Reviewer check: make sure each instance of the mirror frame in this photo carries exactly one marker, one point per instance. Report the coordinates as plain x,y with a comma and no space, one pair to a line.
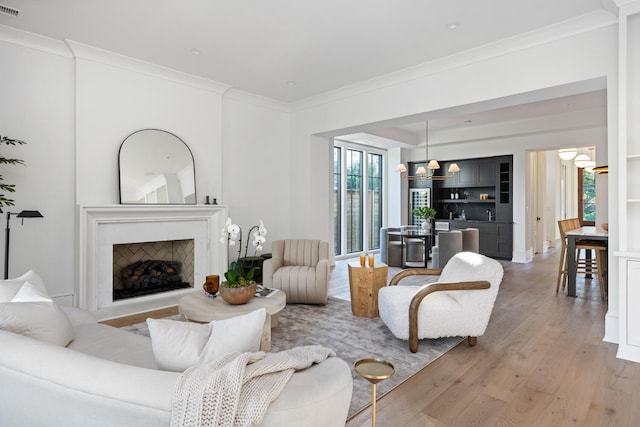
177,138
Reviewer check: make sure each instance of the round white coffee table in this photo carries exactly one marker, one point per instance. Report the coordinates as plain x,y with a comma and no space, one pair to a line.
199,307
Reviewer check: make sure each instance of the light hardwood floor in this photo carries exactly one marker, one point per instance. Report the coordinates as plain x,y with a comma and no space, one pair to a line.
542,362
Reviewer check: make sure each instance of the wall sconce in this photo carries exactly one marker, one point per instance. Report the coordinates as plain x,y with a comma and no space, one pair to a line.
23,215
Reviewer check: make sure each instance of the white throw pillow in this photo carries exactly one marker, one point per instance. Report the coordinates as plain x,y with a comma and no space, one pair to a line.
30,293
41,320
179,345
9,287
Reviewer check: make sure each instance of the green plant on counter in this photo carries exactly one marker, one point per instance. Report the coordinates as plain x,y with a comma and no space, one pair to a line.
425,213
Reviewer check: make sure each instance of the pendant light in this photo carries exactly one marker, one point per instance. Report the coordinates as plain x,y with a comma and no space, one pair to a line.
423,173
582,160
567,153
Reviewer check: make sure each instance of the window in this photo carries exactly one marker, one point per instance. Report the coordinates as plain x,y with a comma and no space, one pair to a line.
358,204
586,197
374,199
354,205
337,200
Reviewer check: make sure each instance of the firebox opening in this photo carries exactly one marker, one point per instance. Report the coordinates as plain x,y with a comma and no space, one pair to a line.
149,277
148,268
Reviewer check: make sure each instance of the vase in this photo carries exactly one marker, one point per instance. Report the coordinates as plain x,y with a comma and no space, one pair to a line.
236,296
426,226
211,286
247,263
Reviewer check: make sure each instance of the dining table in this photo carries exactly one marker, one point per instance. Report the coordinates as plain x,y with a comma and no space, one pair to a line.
586,233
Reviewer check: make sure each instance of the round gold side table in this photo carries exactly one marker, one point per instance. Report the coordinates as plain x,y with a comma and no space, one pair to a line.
374,370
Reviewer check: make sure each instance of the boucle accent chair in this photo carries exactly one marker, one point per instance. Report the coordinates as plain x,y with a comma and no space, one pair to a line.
299,268
458,304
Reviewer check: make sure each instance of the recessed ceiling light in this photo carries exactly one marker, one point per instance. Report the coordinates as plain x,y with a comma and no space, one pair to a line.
452,25
291,83
195,51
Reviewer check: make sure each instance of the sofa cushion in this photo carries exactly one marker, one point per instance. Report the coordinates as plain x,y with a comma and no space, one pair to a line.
42,320
9,287
114,344
179,345
30,293
31,312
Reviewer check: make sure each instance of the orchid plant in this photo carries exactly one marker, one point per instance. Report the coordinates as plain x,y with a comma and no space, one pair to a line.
232,234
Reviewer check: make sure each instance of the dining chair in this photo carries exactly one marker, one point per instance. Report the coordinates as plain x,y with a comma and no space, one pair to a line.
414,247
584,264
391,246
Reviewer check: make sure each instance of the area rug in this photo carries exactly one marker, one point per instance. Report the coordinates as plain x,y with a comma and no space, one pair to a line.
352,338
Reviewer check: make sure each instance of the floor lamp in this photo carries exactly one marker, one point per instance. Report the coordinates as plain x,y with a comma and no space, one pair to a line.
23,214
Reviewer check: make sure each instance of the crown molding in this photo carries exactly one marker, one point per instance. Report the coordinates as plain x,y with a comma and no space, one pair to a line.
94,54
628,7
575,26
257,100
34,41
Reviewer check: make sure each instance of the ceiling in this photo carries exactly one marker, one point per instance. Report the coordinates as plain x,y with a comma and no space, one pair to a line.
289,50
512,117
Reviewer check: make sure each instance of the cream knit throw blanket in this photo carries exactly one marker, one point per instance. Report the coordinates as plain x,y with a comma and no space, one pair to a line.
236,389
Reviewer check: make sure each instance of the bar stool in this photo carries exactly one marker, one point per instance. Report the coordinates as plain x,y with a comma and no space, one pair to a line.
584,265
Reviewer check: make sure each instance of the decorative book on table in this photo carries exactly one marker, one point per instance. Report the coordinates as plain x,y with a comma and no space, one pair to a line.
262,292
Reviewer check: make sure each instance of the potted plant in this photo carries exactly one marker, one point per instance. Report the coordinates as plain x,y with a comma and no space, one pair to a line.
239,286
427,215
9,188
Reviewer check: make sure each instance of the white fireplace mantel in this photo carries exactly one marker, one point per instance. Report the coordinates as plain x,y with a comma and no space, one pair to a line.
100,227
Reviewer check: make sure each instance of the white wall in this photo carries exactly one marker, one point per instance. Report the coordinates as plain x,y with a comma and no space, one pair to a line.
117,96
256,167
37,106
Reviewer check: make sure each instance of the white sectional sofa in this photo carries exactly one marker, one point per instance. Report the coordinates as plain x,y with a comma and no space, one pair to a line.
108,377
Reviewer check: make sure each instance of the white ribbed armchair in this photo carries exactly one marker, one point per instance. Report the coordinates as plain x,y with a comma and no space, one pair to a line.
299,268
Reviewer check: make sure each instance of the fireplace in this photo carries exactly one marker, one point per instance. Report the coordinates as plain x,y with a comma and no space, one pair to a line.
148,268
191,231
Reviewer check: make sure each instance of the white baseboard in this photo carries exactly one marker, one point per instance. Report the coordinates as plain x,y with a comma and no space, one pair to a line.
522,256
611,329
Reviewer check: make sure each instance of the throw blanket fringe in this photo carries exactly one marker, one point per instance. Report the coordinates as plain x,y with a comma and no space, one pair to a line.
236,389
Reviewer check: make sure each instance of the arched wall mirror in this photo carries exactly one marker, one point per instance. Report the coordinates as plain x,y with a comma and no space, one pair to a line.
156,167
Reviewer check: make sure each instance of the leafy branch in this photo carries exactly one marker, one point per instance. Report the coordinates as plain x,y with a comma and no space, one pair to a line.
8,188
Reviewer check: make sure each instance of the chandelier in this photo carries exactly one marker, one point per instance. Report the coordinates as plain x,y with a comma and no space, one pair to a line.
423,173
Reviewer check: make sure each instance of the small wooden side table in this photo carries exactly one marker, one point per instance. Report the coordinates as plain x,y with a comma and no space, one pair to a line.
364,284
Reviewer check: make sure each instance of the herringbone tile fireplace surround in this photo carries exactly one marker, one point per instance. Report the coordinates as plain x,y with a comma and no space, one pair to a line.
180,251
